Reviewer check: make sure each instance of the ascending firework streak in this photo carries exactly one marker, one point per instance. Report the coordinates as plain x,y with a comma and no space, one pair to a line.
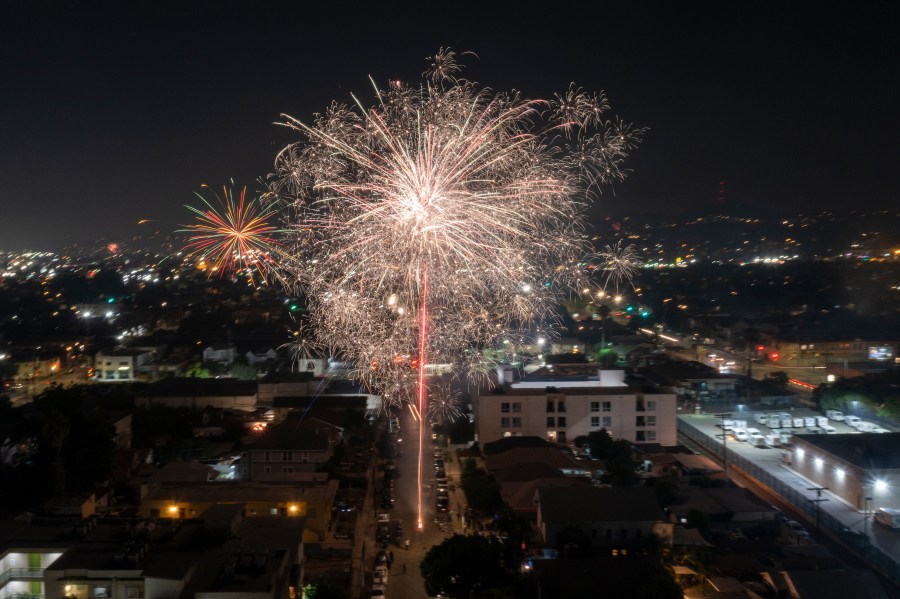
234,235
439,221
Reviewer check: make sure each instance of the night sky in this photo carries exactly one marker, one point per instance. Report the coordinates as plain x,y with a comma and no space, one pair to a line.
115,114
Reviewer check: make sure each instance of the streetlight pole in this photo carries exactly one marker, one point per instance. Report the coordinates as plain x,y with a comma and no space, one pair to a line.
722,418
817,501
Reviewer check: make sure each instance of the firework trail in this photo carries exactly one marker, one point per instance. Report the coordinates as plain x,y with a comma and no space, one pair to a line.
444,207
235,235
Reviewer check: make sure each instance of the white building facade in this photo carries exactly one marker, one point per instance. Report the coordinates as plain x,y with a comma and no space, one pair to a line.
560,411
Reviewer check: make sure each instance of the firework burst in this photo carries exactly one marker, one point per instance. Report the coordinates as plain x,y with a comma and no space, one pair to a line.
442,218
234,234
481,192
619,264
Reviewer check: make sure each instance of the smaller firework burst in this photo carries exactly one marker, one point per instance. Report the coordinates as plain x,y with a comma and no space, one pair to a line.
234,234
619,265
443,403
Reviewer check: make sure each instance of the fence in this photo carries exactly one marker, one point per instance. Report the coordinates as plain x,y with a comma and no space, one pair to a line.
871,554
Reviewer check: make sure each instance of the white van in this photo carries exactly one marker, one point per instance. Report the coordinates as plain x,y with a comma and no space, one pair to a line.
851,421
757,440
761,418
727,425
865,427
822,420
785,438
835,415
809,421
740,434
773,440
888,517
774,421
829,430
799,423
787,423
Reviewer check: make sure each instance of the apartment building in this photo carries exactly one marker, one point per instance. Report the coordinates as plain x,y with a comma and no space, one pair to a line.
562,409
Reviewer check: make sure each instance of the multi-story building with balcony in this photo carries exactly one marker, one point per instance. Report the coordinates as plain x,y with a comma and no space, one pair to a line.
26,551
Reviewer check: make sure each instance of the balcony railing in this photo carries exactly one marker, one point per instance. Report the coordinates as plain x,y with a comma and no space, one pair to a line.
19,574
24,596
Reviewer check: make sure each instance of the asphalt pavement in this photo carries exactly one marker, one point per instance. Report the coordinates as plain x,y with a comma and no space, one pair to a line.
405,578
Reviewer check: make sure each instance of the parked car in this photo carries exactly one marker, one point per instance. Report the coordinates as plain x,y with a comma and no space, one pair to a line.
761,418
835,415
809,421
741,435
851,420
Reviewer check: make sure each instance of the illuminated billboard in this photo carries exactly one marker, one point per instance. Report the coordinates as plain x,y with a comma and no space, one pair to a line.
881,353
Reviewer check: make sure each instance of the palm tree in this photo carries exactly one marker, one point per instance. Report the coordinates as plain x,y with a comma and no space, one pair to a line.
55,430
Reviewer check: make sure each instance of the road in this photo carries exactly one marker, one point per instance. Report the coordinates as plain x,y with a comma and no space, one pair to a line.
405,580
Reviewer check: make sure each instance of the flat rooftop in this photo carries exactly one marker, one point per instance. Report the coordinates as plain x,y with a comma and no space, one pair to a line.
869,451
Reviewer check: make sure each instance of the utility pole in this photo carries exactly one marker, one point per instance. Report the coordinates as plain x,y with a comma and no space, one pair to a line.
866,517
819,499
724,436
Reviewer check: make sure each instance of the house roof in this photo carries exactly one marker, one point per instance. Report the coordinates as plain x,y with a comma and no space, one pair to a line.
294,435
598,504
679,370
243,493
867,451
182,472
197,387
507,443
520,495
524,457
522,472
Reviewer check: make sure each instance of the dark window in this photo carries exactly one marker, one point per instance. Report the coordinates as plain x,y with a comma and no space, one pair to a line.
595,406
504,407
516,407
639,421
607,406
561,422
550,406
551,421
504,422
560,406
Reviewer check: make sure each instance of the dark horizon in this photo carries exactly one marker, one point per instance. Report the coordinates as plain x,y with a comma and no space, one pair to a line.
112,116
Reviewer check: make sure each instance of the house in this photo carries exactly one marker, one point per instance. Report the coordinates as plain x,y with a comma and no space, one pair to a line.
222,554
196,393
728,508
187,501
608,516
121,365
255,358
294,446
221,353
689,378
562,408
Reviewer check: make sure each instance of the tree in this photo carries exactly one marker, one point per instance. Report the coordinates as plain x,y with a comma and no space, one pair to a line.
464,567
196,370
54,431
778,378
243,371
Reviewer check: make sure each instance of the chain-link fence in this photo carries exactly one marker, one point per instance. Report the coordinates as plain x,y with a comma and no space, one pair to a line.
871,554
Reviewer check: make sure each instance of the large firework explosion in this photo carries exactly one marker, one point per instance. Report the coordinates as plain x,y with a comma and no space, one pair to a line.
233,234
443,218
479,193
